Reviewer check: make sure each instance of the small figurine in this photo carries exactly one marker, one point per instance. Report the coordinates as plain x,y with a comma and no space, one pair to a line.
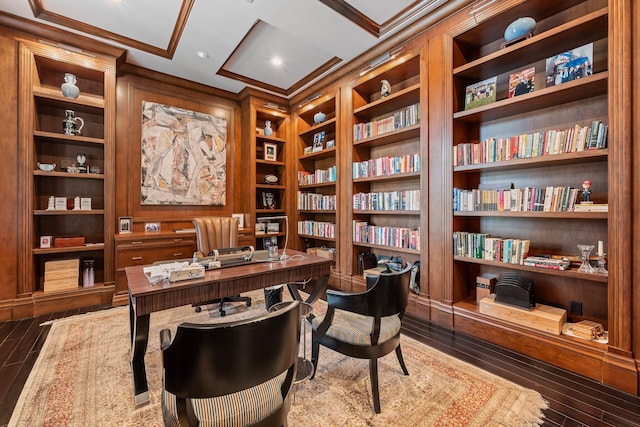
586,191
386,88
51,205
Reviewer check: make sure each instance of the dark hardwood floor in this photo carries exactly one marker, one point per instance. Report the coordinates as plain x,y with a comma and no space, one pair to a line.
573,400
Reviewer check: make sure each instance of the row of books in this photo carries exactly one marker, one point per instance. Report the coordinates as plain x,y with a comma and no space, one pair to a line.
387,165
397,237
408,116
318,176
317,228
408,200
546,262
316,202
543,199
551,142
483,246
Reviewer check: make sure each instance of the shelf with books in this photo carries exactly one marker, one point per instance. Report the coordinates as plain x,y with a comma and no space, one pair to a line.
317,168
386,159
539,139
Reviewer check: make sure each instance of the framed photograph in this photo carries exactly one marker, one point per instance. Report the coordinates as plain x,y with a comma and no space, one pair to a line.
318,142
268,200
261,228
152,226
240,219
268,242
330,143
521,82
480,93
273,227
45,241
125,224
570,65
270,151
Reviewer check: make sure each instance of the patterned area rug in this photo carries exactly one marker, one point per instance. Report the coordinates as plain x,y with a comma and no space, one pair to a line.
83,378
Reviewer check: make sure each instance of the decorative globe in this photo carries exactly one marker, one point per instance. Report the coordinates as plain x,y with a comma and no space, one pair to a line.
319,117
519,28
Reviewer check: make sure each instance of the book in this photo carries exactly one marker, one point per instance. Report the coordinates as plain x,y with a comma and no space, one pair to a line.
522,82
591,207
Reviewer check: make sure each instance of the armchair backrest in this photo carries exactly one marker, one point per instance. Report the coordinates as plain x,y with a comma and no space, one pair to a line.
209,360
215,232
389,294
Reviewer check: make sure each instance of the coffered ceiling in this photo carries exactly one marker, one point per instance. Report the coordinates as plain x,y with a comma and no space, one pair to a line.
231,44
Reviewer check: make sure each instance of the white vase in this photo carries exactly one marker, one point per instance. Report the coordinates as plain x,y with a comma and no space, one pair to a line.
267,128
69,88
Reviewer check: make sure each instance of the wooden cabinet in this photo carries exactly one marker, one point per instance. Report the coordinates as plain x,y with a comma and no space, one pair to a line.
43,109
533,119
146,248
317,173
266,181
384,183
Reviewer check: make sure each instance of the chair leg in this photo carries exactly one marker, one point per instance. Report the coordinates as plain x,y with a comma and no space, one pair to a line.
401,360
373,373
315,352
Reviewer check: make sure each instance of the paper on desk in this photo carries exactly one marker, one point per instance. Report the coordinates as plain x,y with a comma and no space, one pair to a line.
160,272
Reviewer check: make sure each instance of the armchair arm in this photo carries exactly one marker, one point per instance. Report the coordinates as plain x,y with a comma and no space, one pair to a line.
165,339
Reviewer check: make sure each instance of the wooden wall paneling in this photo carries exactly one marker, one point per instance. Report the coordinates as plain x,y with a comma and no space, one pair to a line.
619,369
8,176
635,136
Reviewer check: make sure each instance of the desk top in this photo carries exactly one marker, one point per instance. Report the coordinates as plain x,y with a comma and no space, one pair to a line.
220,282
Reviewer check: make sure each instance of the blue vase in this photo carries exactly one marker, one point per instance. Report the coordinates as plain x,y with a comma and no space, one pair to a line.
519,28
319,117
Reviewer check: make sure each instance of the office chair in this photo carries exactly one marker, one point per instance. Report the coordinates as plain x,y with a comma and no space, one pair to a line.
217,232
231,374
365,325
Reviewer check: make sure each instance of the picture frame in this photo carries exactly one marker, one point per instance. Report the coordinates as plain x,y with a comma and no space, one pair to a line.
125,224
318,142
261,228
151,227
273,227
240,218
522,82
270,151
268,200
570,65
45,241
330,143
481,93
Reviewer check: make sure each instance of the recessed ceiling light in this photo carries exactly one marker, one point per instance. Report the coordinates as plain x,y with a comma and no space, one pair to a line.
276,61
202,54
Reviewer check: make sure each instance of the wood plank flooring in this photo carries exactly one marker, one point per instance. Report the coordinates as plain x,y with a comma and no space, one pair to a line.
573,400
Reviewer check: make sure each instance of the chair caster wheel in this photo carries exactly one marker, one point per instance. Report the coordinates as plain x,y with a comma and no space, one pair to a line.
223,313
248,303
198,309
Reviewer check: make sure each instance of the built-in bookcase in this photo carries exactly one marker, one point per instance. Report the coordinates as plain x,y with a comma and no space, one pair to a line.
532,118
43,109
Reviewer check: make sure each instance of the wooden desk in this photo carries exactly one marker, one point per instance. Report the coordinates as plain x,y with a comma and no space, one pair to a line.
145,298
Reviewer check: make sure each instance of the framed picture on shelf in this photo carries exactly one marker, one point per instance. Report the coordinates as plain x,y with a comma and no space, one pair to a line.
268,200
318,142
330,143
261,228
125,224
480,93
270,151
273,227
151,226
268,242
240,219
570,65
521,82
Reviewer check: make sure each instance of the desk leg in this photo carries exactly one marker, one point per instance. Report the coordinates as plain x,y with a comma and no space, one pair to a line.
139,337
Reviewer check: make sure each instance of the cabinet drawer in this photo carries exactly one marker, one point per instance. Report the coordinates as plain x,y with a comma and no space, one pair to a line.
154,243
148,255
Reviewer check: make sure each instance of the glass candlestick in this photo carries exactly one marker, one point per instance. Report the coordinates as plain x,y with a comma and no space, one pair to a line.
585,253
601,264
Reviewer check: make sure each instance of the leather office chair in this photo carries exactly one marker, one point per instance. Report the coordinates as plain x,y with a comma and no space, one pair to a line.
365,325
235,373
217,232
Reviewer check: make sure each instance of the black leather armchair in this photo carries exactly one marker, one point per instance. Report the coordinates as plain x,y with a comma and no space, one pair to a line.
237,373
365,325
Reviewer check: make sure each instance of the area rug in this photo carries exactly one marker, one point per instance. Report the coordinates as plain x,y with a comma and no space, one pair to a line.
82,378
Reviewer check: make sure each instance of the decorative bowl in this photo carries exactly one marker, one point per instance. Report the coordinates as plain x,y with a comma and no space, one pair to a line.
271,179
47,167
319,117
519,28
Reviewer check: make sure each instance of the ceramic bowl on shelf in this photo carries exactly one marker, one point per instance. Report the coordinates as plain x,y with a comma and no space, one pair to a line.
319,117
47,167
518,28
